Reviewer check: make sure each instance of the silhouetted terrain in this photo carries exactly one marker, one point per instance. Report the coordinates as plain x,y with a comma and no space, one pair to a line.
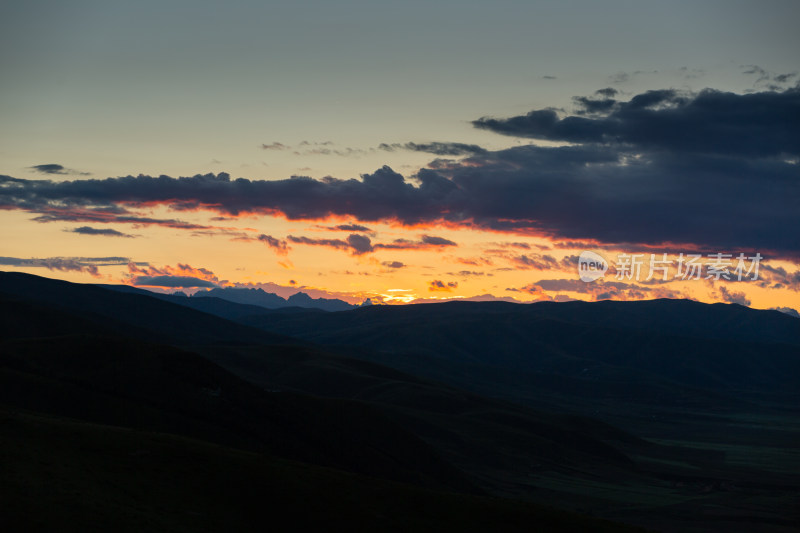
122,407
659,353
261,298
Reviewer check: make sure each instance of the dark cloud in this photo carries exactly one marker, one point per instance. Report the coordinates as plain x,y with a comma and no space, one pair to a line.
663,168
280,247
59,212
177,282
360,244
53,168
274,146
350,227
608,92
87,230
438,285
66,264
331,243
536,262
393,264
765,78
426,242
437,148
778,278
50,169
355,243
710,122
589,106
783,78
437,241
733,297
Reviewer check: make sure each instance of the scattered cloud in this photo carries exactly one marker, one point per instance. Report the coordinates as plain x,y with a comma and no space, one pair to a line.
767,79
438,285
107,232
180,276
87,265
274,146
437,148
599,290
468,273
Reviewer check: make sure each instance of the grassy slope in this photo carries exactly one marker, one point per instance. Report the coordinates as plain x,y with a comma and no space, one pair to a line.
507,449
64,475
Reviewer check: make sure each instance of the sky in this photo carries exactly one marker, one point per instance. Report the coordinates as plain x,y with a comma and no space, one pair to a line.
405,152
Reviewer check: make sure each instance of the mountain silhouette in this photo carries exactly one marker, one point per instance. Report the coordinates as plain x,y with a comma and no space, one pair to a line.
126,406
259,297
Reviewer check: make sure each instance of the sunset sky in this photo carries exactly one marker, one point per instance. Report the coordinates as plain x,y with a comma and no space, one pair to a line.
402,151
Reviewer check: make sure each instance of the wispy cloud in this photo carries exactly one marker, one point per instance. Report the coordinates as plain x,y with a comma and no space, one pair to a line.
88,265
361,244
53,168
437,148
106,232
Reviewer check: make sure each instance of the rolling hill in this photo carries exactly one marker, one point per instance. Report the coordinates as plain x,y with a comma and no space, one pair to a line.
438,404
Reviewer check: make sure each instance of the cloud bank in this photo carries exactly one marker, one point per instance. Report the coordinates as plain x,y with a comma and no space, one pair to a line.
716,169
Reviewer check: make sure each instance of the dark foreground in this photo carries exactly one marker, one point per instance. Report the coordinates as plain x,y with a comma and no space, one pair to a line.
129,412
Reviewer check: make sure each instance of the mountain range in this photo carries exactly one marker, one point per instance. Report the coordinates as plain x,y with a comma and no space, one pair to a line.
270,300
121,406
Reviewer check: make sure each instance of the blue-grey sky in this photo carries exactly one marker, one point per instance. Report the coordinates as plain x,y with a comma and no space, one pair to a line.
180,87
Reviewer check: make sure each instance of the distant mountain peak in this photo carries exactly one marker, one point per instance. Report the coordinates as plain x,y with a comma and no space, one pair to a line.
258,296
299,298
